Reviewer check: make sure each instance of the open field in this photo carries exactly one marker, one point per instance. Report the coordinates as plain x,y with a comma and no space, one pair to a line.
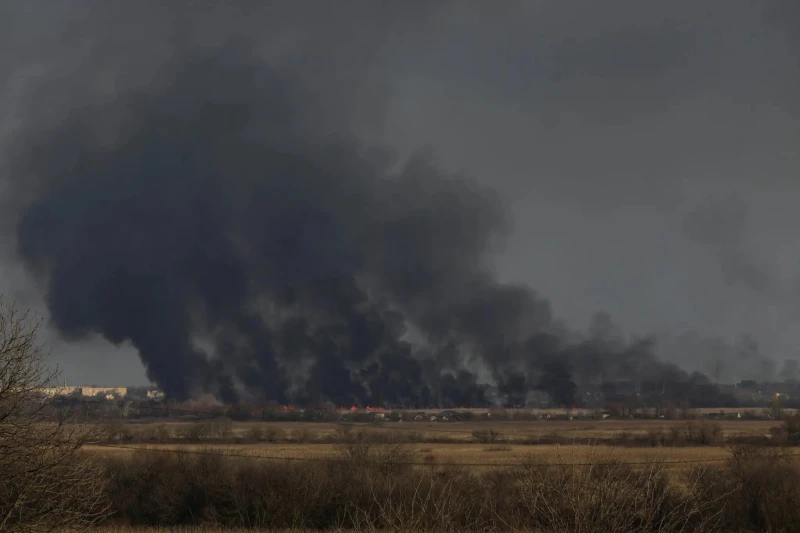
365,477
424,476
640,432
388,487
556,411
213,529
198,529
475,455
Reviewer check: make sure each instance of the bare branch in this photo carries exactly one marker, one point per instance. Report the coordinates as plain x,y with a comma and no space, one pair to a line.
45,482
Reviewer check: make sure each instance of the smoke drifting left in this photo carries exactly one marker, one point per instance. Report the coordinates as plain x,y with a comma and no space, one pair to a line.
214,221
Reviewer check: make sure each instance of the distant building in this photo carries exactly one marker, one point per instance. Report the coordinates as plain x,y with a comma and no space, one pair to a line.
51,392
117,392
110,393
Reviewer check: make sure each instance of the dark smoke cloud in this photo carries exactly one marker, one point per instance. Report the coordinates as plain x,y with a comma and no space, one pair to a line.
603,123
215,222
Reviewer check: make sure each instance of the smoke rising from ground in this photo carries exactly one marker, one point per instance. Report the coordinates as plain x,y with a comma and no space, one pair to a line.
215,223
603,126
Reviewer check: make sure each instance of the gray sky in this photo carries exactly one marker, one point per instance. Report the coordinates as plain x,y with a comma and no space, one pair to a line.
647,149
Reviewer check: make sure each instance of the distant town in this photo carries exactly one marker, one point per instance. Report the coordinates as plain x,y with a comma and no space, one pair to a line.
104,393
614,397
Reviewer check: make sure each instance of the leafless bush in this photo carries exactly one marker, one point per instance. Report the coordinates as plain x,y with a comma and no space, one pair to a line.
390,458
702,433
344,432
45,481
161,433
371,487
116,430
194,432
789,432
302,435
273,434
657,437
112,430
603,494
256,433
221,429
675,435
488,436
764,488
265,434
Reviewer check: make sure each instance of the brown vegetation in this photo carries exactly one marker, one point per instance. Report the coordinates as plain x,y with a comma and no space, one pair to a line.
45,482
386,487
373,481
630,433
685,476
458,454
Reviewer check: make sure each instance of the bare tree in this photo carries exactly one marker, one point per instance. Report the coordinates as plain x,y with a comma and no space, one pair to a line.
46,480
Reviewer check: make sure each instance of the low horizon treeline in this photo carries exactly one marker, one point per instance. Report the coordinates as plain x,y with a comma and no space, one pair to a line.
375,487
109,409
619,397
691,433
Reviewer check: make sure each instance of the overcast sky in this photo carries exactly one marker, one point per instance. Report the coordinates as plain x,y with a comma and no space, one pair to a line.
648,149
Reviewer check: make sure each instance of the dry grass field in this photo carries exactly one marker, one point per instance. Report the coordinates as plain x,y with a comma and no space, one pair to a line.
510,431
213,529
216,529
196,529
202,490
475,455
428,443
439,477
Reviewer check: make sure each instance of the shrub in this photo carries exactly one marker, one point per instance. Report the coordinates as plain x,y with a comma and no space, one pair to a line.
372,486
488,436
702,433
255,433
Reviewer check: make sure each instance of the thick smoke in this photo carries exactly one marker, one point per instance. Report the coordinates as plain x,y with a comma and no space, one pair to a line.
215,222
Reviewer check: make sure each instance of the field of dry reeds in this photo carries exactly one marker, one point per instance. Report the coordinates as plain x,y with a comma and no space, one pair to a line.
369,486
313,477
633,433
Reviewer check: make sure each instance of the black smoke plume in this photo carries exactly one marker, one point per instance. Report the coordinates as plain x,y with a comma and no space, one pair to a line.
215,221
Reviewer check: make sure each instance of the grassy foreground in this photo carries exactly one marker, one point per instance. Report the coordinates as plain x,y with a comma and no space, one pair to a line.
376,487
